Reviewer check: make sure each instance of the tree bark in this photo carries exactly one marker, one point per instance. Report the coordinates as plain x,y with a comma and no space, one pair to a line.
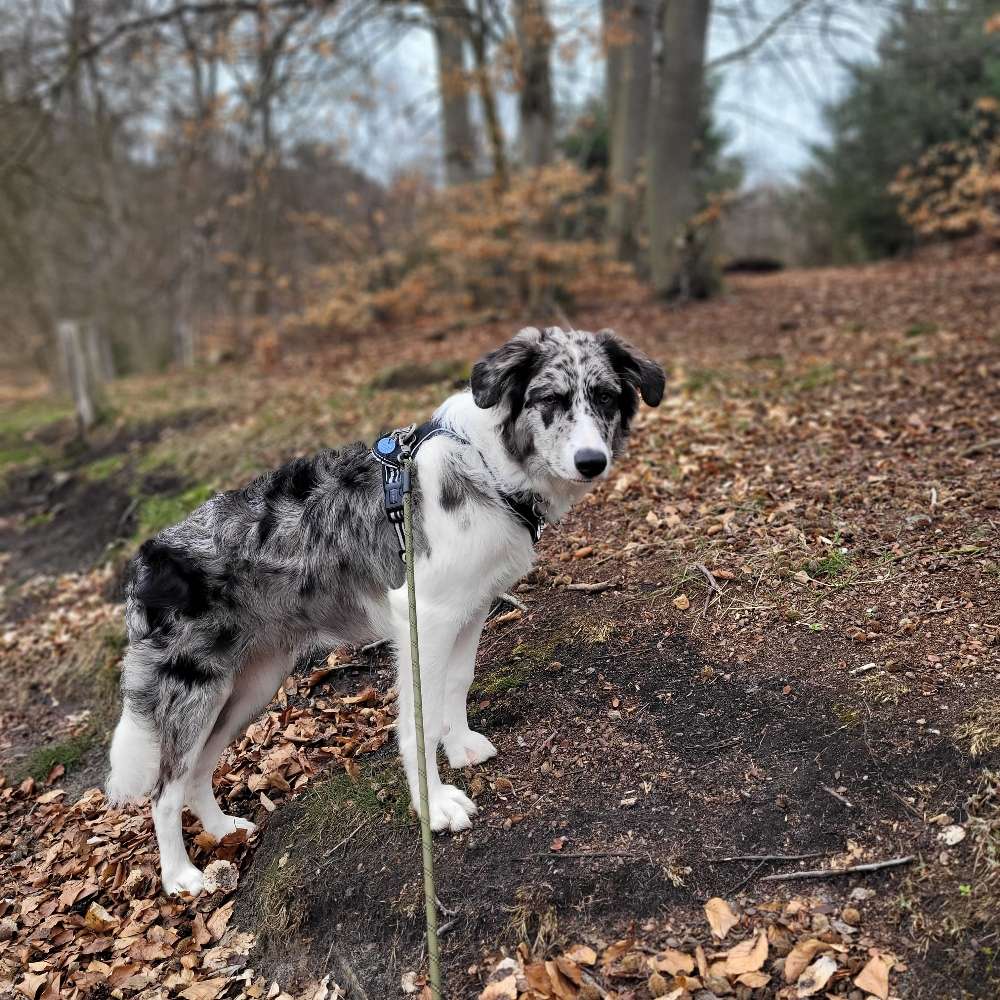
537,109
611,21
672,131
627,129
458,133
487,96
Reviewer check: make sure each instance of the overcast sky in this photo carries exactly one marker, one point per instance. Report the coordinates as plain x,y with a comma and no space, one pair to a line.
771,102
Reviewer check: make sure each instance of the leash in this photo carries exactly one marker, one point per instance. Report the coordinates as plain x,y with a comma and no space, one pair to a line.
430,894
395,452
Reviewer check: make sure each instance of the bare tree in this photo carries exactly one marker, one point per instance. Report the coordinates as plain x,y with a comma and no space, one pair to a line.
628,123
450,26
673,128
537,108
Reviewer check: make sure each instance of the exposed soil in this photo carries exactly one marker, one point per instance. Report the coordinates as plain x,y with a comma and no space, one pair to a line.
799,619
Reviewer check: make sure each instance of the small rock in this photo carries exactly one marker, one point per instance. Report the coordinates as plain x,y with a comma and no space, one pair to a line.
851,915
860,894
952,835
409,983
221,876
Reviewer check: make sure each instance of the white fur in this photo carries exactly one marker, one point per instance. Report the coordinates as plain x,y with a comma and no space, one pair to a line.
135,760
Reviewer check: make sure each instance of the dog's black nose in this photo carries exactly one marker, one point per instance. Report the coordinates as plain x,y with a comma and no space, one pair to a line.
590,462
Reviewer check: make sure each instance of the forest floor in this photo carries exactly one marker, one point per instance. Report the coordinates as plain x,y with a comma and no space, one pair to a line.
794,651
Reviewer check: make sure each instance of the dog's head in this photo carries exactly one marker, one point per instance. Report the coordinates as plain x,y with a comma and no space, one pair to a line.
566,399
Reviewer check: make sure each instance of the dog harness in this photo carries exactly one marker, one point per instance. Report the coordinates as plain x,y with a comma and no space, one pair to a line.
404,442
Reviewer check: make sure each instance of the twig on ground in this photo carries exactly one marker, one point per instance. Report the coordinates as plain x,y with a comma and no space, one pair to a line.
592,588
508,616
980,446
444,910
347,972
514,602
446,926
743,882
768,857
835,872
840,798
333,850
707,573
710,746
372,646
863,669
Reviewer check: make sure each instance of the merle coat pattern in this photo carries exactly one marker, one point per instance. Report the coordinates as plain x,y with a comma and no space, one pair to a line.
219,606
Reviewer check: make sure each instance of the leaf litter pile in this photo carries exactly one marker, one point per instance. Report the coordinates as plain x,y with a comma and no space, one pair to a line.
772,634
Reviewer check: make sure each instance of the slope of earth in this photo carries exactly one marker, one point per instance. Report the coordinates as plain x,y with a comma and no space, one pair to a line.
775,631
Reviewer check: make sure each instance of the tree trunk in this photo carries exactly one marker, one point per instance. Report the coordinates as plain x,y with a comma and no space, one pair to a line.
611,21
537,110
627,129
459,136
487,96
672,131
81,356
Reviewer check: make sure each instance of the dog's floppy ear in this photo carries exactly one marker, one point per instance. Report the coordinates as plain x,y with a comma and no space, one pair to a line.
505,368
633,367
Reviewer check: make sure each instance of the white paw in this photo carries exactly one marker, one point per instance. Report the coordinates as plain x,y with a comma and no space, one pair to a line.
451,809
228,824
465,749
187,879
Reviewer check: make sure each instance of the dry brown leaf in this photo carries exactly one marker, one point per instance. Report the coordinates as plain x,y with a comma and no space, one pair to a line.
674,962
505,989
30,985
800,956
747,956
755,980
682,602
219,920
98,919
874,977
720,917
582,955
816,976
208,989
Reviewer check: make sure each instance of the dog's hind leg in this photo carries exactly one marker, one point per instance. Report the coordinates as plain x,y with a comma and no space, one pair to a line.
463,746
188,709
254,687
450,807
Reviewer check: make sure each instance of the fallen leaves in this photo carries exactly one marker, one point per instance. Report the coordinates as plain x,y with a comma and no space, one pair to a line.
793,951
720,917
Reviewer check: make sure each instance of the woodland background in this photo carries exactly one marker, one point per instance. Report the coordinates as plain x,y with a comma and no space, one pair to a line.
235,231
188,181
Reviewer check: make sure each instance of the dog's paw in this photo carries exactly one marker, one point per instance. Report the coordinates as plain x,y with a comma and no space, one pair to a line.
465,749
228,824
187,879
451,809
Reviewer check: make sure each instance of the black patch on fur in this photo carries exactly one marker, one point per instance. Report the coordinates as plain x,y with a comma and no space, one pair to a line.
639,375
187,671
293,481
169,581
224,639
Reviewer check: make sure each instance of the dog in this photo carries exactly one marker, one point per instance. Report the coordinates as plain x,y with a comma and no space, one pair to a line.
219,606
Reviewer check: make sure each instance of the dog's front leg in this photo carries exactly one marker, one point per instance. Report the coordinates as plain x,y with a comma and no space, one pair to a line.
462,745
450,807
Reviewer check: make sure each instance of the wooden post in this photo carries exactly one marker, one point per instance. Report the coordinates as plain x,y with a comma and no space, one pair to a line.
81,362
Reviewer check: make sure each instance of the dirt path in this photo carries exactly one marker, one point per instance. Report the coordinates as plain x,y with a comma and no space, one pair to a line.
796,653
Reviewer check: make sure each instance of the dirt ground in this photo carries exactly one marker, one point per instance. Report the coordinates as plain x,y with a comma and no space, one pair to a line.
793,650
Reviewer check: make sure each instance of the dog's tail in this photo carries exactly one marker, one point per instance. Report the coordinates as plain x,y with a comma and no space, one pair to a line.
135,759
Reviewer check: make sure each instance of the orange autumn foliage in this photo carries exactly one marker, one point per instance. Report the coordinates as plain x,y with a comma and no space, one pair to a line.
954,188
465,249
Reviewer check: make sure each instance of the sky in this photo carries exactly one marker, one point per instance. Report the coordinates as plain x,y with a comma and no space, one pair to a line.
770,102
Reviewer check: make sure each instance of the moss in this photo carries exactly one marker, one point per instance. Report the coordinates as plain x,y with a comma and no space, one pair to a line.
103,468
70,753
814,378
39,520
980,731
27,417
701,378
921,329
832,565
157,513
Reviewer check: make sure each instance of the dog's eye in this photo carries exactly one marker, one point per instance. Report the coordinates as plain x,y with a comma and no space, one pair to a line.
605,398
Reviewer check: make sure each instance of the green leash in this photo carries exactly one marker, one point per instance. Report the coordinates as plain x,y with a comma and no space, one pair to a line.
430,896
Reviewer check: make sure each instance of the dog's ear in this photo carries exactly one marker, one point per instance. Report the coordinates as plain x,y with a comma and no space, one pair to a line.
633,367
506,368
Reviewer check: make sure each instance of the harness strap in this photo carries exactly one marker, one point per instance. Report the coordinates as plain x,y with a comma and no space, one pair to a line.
391,450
